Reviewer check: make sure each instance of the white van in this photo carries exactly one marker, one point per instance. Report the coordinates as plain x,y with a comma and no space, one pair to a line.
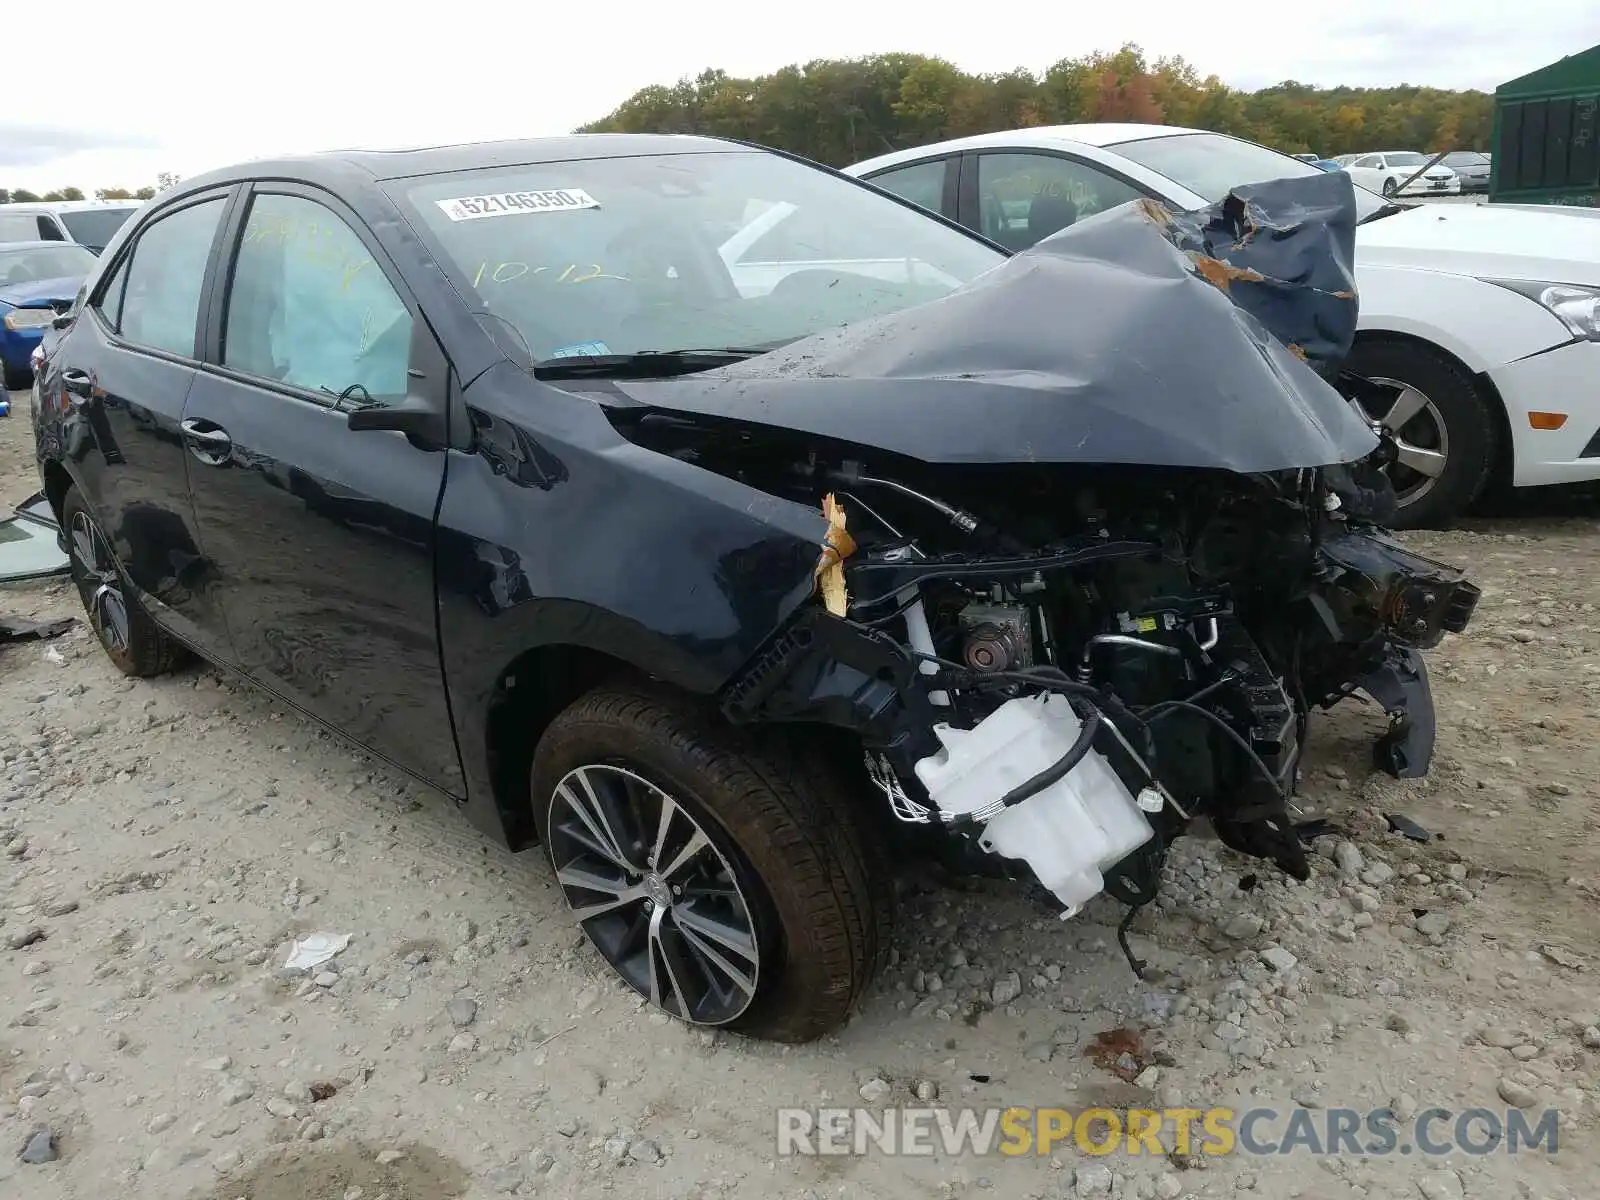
90,223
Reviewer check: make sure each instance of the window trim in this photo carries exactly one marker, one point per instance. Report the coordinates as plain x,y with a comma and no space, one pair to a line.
968,206
948,188
215,315
229,196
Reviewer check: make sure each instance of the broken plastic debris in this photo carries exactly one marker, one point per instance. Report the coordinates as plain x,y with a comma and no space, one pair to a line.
28,548
314,950
15,629
838,545
1405,826
51,654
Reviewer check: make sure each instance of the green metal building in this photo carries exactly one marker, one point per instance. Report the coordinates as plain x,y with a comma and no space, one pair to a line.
1545,148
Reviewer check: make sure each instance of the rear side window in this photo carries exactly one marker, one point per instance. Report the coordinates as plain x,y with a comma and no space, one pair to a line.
161,299
18,227
921,183
310,307
49,231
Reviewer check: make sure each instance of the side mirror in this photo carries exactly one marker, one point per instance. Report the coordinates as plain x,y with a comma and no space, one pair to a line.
419,420
62,321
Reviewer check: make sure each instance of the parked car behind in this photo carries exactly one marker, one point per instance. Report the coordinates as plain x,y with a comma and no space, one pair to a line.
1391,174
1481,326
712,518
89,223
38,280
1471,167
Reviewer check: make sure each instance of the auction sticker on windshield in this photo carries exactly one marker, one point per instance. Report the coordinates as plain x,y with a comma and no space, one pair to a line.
505,204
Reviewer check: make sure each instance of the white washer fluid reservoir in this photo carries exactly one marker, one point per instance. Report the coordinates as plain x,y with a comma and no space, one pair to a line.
1070,832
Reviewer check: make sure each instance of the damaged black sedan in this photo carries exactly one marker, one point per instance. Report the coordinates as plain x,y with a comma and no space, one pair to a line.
719,523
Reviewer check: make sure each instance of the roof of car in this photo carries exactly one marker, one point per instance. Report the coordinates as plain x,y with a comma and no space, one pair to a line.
1043,136
403,162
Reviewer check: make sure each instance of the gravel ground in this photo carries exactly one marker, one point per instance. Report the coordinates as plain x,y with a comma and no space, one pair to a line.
164,842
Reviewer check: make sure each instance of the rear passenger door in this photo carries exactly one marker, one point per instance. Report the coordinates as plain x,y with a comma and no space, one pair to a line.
323,535
127,364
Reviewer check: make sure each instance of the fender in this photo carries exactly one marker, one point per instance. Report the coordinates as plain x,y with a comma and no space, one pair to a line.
578,538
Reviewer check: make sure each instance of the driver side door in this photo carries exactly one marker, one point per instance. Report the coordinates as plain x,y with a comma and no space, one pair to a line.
323,536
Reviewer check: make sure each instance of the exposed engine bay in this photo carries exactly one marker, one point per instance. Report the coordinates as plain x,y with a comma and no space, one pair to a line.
1083,585
1067,669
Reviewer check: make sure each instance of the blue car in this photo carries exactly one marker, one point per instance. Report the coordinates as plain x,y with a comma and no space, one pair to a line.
37,281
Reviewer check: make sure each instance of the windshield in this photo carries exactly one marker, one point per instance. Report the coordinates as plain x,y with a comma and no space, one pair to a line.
1212,164
1404,158
93,227
44,262
1465,158
675,251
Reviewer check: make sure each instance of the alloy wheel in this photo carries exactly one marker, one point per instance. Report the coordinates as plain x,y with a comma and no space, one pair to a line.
654,893
99,582
1422,441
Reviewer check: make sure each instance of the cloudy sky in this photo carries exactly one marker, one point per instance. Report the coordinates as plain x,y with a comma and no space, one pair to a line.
183,85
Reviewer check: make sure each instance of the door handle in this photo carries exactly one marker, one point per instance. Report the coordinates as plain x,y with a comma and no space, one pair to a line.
211,446
77,382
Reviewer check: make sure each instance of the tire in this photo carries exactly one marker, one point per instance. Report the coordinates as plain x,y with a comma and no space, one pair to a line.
15,380
1390,187
1471,438
136,645
799,853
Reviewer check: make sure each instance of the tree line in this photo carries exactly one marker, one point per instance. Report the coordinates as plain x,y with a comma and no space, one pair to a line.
24,196
839,111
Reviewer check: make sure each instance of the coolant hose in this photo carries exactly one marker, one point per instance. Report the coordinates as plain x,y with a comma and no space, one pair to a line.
1059,769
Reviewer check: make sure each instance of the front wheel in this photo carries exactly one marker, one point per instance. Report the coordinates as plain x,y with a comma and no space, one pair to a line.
134,643
723,877
1390,187
1443,429
16,379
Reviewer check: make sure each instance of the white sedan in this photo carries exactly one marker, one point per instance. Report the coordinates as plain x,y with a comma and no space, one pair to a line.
1480,323
1391,172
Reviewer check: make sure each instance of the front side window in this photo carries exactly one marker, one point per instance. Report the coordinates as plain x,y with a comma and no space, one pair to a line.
1024,198
39,263
921,183
1213,164
309,306
161,297
734,248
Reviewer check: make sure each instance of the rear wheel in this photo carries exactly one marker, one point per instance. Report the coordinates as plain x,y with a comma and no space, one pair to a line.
722,876
131,640
1443,429
16,380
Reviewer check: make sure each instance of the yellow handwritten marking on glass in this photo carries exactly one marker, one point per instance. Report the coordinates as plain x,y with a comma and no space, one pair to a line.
311,242
507,272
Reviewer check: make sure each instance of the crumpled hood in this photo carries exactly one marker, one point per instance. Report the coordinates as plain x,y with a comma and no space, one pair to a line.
1135,336
40,291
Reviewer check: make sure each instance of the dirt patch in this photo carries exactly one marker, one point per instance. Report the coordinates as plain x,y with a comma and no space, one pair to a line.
330,1170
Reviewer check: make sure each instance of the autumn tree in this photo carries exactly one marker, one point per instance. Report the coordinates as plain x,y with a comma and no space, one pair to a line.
840,111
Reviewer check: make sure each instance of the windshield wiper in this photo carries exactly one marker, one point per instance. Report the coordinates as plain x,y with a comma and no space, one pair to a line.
1388,209
645,364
